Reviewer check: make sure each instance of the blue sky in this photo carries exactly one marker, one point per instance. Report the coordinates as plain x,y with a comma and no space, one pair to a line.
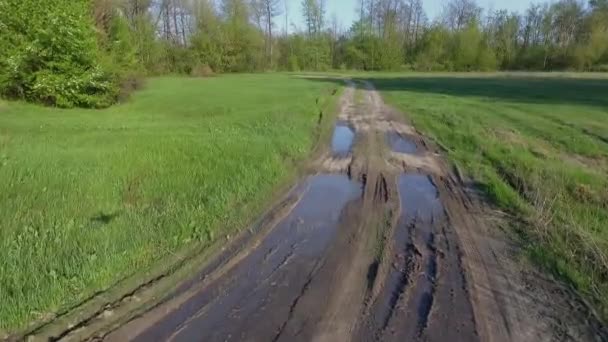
347,10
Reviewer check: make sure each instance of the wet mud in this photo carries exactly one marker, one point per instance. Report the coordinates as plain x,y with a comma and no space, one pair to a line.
411,291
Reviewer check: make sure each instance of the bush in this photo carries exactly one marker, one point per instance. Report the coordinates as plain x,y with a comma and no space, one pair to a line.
120,56
202,70
293,63
49,54
128,83
486,60
600,68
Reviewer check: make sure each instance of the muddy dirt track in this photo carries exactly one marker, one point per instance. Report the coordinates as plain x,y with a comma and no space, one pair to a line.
381,242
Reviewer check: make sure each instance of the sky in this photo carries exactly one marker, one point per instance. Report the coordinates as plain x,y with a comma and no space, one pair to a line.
347,10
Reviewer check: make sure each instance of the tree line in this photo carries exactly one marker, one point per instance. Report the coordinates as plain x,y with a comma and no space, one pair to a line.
90,53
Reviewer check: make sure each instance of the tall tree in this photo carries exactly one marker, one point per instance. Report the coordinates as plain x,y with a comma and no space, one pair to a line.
314,15
267,10
503,30
242,42
459,13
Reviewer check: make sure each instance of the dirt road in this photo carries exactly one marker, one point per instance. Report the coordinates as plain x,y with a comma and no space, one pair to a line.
382,242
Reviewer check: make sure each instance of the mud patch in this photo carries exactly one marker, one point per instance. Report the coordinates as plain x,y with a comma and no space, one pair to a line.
330,164
404,304
424,163
421,210
342,140
399,143
252,300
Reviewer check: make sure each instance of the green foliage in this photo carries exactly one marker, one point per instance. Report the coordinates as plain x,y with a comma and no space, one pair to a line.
121,57
207,40
243,45
391,54
304,53
503,37
486,60
434,50
466,47
594,48
49,54
148,50
90,53
359,50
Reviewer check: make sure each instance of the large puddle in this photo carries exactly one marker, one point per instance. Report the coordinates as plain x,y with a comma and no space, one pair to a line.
255,296
342,140
400,144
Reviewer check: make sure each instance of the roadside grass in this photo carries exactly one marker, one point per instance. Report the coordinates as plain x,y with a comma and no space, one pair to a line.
88,197
538,146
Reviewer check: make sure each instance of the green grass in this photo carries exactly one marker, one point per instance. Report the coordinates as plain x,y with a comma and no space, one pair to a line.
538,146
90,197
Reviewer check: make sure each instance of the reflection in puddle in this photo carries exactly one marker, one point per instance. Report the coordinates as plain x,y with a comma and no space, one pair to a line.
400,144
342,140
419,198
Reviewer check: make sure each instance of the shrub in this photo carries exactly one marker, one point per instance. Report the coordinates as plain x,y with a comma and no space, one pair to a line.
120,55
202,70
49,54
600,68
293,63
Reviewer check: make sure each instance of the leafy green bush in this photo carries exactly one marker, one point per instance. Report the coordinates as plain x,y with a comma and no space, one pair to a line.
600,68
49,54
120,55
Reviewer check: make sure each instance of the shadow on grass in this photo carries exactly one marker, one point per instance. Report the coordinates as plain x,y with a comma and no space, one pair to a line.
525,89
103,218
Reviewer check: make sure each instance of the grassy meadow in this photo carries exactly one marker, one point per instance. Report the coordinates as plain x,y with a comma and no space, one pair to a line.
538,145
89,197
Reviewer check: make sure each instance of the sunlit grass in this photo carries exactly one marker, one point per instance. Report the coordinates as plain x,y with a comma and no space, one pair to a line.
89,197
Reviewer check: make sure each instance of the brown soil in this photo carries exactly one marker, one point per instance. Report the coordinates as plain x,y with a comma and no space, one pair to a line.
382,242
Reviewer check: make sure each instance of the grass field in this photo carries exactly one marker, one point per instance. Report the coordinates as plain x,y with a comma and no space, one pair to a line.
90,197
538,146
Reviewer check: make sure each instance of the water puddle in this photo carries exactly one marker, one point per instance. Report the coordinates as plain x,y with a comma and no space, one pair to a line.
255,296
342,140
419,198
400,144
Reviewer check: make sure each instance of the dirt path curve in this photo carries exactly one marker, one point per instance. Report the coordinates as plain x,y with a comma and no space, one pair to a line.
382,242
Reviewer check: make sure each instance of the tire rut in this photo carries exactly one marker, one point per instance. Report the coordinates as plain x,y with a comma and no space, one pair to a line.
295,302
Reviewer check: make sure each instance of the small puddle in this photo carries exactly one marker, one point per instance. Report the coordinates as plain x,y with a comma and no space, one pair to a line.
400,144
419,198
342,140
252,296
